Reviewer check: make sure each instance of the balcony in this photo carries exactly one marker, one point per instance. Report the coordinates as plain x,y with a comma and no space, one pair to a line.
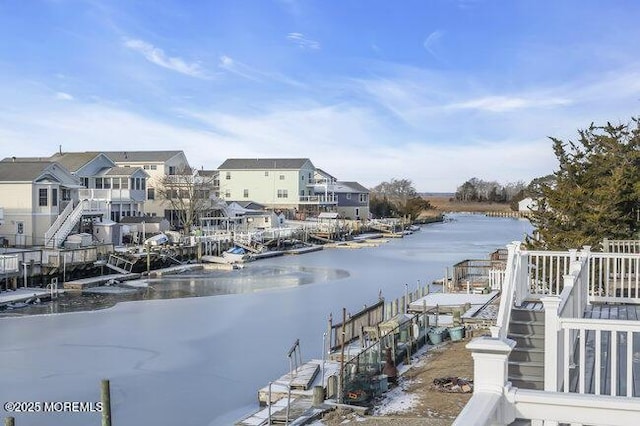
113,195
318,199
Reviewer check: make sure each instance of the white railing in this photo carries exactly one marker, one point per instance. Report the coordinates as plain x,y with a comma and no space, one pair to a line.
48,236
319,199
588,363
614,277
620,246
9,264
546,269
112,194
65,228
509,290
496,278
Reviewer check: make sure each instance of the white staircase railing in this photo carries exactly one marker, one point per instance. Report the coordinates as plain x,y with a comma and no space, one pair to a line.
72,219
64,214
509,288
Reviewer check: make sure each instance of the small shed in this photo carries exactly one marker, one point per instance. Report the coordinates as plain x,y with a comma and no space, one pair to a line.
108,231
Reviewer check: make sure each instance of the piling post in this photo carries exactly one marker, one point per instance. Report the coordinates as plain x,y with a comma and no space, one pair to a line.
341,390
148,258
105,394
9,421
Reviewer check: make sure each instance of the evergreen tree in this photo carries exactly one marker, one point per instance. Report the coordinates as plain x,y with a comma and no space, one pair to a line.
595,192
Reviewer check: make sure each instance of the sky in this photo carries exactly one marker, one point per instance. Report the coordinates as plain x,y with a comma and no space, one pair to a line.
435,91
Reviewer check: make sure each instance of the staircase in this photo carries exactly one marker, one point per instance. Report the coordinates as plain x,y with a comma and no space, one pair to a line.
66,221
526,361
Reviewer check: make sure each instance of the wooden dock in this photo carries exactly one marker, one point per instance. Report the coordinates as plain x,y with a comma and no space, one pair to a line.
301,381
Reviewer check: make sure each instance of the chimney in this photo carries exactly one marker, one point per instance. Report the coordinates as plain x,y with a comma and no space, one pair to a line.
60,148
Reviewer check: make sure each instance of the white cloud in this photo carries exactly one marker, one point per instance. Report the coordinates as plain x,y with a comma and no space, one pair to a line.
303,42
229,64
157,56
64,96
506,103
431,42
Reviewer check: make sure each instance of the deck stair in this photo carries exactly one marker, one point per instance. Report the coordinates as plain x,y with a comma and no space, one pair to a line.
526,362
67,221
119,264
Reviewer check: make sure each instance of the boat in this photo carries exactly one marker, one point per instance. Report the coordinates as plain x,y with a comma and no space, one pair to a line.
235,254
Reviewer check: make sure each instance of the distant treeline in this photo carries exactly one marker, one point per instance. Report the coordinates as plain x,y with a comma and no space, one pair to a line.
489,191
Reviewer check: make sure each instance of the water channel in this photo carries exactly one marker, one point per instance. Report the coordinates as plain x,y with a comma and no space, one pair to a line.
194,349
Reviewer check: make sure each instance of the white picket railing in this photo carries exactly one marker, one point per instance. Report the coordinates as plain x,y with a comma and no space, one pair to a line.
614,277
496,278
64,214
9,264
66,226
588,362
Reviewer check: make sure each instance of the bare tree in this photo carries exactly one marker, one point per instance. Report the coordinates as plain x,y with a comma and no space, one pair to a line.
189,195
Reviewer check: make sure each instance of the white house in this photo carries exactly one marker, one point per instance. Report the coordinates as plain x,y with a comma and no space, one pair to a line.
122,189
34,194
527,205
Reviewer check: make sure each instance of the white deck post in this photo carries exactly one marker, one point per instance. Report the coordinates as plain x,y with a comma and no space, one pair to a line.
551,355
490,365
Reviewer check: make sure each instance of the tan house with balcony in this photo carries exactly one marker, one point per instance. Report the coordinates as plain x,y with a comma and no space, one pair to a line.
278,183
33,193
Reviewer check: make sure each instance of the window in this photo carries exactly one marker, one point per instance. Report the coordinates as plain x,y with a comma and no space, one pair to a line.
20,229
348,196
115,183
98,183
66,194
228,176
281,177
107,183
146,166
301,177
245,193
143,184
363,198
310,176
153,167
172,170
283,193
85,182
124,183
151,193
54,197
227,194
266,173
43,193
357,213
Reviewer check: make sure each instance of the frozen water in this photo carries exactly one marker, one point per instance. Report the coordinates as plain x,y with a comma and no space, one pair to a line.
201,360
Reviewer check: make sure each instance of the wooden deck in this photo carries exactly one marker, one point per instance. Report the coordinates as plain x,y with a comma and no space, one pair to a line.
613,312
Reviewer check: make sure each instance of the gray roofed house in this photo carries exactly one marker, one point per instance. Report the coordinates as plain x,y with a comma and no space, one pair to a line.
264,163
31,171
141,156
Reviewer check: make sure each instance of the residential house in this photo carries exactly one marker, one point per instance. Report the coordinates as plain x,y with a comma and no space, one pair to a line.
33,193
123,189
353,200
527,205
286,184
158,165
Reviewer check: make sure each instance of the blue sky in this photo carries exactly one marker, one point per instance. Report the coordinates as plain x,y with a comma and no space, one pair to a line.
433,91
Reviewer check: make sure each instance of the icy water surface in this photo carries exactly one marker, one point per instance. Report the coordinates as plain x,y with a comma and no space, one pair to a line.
200,360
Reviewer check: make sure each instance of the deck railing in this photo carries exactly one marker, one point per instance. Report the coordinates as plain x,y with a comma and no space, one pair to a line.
590,365
8,264
614,277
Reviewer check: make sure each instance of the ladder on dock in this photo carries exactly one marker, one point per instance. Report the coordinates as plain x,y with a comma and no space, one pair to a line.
119,264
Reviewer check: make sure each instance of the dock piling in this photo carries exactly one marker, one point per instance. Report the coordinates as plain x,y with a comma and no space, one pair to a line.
105,392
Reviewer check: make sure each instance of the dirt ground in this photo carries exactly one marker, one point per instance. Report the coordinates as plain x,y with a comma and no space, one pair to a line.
432,407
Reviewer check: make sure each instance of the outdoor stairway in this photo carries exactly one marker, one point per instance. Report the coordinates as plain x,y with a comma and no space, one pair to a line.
526,361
